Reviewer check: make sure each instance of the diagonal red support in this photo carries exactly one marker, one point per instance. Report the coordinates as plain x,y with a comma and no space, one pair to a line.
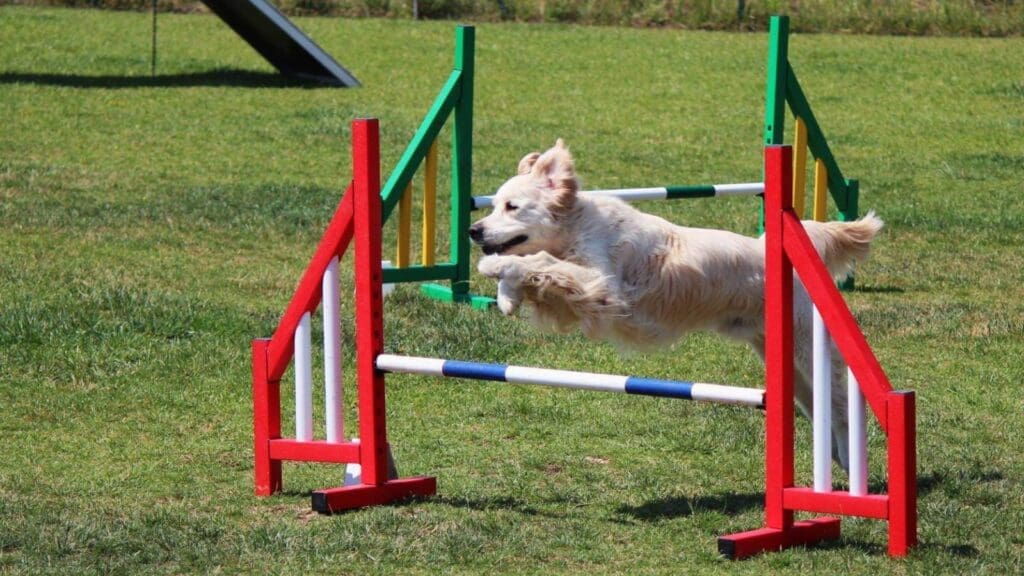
842,326
310,289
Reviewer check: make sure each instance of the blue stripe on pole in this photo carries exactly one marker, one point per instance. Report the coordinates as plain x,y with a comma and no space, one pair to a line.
474,370
663,388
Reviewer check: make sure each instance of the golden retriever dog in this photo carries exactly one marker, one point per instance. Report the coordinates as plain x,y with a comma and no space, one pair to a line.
640,282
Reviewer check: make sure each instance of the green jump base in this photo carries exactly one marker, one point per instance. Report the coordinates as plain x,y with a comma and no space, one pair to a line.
445,294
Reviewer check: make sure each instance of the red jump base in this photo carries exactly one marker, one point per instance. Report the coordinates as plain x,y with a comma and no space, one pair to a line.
744,544
331,500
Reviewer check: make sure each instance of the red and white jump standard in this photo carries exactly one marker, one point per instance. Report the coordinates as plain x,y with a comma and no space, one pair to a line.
358,216
788,248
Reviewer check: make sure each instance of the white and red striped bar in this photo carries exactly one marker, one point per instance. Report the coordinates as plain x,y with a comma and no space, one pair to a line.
660,193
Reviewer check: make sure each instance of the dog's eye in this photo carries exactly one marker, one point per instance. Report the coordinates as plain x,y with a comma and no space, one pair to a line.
510,207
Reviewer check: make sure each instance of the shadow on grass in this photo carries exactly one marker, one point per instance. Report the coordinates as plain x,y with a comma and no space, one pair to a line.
682,506
927,483
878,289
489,504
479,504
879,550
219,78
735,504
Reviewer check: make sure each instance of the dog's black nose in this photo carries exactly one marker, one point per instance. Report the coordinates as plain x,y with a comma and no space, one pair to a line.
476,232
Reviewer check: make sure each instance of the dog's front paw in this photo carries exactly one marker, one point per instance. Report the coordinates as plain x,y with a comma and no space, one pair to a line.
493,265
509,297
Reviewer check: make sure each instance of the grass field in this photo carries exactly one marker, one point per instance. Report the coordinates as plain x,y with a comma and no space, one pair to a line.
150,227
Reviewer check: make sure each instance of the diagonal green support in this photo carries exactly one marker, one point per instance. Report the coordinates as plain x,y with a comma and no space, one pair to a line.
783,88
816,141
414,153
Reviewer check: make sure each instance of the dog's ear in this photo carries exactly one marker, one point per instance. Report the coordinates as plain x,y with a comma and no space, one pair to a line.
527,162
556,170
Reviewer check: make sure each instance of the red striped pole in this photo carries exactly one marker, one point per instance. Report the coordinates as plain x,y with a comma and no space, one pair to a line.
902,472
376,488
266,404
369,301
779,343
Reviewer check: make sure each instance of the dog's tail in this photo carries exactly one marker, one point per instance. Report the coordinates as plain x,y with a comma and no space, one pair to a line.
842,244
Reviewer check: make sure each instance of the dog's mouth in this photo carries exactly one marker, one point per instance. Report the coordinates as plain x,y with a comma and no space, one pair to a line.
499,248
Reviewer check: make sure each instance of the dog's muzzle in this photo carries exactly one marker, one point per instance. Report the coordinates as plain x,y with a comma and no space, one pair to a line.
499,248
476,234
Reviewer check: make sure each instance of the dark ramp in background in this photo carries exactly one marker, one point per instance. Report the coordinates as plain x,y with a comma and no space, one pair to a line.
280,42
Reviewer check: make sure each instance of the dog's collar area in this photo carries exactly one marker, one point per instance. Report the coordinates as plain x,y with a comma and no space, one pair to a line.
498,249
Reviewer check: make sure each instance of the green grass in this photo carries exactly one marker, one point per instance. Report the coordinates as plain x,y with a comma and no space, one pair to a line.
151,227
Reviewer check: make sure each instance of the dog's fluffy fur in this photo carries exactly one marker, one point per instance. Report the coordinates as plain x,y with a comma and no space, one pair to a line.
640,282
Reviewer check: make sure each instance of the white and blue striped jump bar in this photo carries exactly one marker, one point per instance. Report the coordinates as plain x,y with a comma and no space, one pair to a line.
569,379
663,193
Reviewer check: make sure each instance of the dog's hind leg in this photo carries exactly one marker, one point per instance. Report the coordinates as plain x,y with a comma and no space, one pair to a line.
840,415
803,391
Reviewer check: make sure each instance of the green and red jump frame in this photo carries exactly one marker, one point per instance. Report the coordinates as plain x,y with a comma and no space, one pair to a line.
783,88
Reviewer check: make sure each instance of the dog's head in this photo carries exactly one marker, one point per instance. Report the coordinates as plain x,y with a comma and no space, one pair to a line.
527,209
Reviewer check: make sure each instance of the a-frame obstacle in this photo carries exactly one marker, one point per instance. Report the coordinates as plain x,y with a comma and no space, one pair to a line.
281,42
789,249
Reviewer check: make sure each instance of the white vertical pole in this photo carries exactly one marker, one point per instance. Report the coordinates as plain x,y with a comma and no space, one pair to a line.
822,351
858,437
303,380
333,398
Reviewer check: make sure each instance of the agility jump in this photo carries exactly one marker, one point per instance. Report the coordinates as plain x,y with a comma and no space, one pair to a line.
359,217
455,100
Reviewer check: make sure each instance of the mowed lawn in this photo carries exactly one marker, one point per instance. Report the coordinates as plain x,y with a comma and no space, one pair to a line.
151,227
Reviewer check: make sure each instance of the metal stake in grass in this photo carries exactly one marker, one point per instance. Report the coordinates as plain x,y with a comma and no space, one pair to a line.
152,56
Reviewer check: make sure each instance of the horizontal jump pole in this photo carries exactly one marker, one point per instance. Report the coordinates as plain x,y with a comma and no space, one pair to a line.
662,193
569,379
